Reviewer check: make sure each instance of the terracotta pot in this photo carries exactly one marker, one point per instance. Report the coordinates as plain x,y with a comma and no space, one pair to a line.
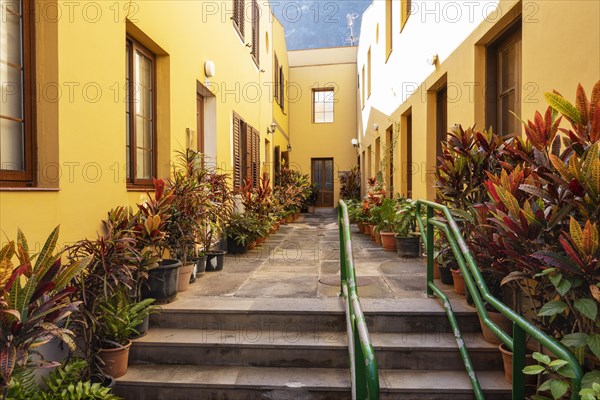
377,237
261,240
297,215
368,227
388,240
273,230
361,227
311,209
252,245
289,219
373,232
436,269
185,271
115,360
508,365
283,221
459,281
504,323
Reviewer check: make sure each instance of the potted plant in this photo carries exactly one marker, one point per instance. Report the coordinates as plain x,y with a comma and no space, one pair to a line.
312,198
387,225
158,282
239,233
32,288
117,320
407,241
218,214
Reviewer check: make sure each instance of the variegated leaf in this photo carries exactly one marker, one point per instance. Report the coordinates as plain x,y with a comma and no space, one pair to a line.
46,257
590,238
562,105
560,166
576,235
510,202
70,271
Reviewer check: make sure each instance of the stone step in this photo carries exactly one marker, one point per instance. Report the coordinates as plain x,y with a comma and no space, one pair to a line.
184,382
305,348
420,315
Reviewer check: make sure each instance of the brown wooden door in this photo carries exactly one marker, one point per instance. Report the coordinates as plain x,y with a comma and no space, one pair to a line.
200,122
441,119
322,176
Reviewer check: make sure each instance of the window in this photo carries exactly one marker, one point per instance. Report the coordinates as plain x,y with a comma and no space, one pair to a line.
389,25
141,121
281,89
246,153
276,73
504,83
17,93
255,32
377,155
323,100
369,68
362,93
405,13
238,16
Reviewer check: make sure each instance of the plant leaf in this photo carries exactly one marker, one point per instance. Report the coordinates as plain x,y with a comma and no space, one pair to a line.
574,340
533,369
593,342
562,105
558,388
552,308
587,307
542,358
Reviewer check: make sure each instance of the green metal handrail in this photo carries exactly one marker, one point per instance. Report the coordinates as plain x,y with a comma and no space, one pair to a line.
479,290
363,365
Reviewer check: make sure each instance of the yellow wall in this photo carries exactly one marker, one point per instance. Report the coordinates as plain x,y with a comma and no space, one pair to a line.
89,134
545,67
310,69
281,137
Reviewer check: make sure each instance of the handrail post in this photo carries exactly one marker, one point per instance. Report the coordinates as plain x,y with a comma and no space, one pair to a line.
343,265
429,246
518,362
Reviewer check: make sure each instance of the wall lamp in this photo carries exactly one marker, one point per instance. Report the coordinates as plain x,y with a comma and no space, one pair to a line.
355,143
289,148
271,128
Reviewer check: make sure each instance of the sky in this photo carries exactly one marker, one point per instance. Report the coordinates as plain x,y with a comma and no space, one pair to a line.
311,24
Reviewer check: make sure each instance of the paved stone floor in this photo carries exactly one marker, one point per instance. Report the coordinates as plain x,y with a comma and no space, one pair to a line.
291,262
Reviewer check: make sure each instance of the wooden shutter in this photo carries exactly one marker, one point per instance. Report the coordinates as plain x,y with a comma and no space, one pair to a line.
248,174
256,157
237,161
255,31
282,89
238,15
276,79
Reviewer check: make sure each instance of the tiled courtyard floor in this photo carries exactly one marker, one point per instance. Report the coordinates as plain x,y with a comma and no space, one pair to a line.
291,263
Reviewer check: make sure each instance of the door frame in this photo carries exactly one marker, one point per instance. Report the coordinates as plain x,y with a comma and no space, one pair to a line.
322,160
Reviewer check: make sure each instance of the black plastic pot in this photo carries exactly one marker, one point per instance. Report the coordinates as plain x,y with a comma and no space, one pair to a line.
142,328
199,268
408,247
162,282
215,260
234,248
106,381
446,275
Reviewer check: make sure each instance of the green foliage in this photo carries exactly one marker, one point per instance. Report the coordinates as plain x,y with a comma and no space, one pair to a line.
118,317
350,185
406,220
35,301
63,384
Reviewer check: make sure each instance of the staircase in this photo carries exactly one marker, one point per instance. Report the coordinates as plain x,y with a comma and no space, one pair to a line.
246,348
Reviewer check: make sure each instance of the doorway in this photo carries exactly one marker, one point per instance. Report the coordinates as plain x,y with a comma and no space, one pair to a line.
200,123
322,177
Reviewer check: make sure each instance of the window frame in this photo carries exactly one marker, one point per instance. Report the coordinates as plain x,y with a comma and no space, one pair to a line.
239,17
255,32
132,180
246,152
405,12
321,90
26,177
389,29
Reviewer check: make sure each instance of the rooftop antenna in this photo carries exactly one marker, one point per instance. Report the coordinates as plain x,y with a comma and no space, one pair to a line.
351,18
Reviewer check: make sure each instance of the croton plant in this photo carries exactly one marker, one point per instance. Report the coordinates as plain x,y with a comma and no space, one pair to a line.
535,204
